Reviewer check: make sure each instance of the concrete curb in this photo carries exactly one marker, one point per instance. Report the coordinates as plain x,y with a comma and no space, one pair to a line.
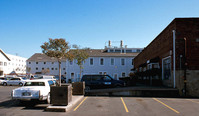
75,100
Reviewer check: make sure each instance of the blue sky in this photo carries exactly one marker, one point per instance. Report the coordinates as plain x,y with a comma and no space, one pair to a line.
26,24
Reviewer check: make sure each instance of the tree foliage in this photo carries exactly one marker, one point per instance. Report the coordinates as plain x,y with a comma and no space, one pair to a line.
80,55
57,48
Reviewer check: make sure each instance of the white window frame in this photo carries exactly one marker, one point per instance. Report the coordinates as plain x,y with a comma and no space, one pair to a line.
121,61
73,76
114,76
124,74
133,61
101,72
100,61
111,61
90,61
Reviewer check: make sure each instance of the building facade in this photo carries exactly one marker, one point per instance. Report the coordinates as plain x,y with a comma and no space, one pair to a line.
41,64
174,53
117,62
11,64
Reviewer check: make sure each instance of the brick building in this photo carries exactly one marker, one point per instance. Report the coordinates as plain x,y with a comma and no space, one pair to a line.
174,56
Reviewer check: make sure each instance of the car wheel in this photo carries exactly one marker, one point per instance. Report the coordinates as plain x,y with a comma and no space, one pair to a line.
48,98
4,84
20,84
87,88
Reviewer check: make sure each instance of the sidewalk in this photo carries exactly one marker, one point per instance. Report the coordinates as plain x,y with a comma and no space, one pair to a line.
75,100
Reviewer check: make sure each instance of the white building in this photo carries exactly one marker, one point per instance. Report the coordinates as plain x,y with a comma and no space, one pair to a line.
10,64
41,64
116,62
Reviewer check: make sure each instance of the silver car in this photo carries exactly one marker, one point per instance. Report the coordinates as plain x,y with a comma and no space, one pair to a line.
15,81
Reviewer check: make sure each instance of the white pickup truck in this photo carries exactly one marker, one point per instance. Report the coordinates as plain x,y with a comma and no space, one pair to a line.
34,89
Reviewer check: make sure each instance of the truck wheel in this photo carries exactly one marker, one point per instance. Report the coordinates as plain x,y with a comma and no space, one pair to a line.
48,98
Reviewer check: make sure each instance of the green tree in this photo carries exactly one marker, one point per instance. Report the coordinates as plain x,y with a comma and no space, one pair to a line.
80,55
57,48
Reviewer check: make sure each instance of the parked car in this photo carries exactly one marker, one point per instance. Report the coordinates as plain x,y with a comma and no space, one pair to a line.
100,81
2,79
63,79
46,77
34,90
15,81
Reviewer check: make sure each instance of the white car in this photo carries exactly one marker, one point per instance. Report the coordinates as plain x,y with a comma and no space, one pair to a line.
2,79
15,81
34,90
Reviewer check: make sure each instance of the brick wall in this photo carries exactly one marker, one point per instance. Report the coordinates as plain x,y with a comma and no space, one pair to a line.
162,45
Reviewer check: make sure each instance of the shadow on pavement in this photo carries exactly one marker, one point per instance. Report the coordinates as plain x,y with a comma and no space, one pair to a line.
26,105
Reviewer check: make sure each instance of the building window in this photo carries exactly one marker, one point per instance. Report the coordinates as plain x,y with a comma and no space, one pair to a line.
123,74
28,69
52,62
100,73
115,76
44,62
64,68
52,68
36,68
72,75
101,61
55,68
112,61
167,68
36,62
91,61
111,50
138,50
5,63
123,61
132,61
117,51
71,62
42,68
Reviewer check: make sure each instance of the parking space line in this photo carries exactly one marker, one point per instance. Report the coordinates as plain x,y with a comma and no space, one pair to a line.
80,104
166,106
192,101
124,105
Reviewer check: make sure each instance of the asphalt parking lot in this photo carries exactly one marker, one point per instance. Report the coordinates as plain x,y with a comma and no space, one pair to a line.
103,106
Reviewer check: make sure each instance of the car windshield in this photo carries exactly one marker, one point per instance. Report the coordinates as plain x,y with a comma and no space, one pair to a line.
34,84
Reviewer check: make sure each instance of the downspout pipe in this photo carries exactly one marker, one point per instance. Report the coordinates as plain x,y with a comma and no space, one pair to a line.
174,59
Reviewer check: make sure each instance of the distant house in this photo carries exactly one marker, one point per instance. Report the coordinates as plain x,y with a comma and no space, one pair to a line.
41,64
174,56
115,61
11,64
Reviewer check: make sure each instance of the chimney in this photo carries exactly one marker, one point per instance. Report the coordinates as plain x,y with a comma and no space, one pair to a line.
109,43
121,44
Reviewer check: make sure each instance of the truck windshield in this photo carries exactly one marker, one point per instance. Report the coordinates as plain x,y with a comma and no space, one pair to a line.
34,84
